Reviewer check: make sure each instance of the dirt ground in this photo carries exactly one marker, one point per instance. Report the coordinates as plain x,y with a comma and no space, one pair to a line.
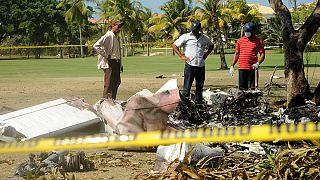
119,164
112,164
24,93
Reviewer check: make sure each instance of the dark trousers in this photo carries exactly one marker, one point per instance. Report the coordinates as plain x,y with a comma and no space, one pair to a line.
191,73
111,79
246,79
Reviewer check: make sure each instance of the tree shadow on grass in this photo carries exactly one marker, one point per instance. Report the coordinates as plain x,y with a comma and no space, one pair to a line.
16,58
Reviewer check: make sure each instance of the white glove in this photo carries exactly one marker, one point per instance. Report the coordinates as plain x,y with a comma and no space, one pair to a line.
255,65
231,71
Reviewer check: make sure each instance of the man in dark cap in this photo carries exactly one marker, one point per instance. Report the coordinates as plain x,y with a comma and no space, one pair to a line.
246,53
109,59
194,43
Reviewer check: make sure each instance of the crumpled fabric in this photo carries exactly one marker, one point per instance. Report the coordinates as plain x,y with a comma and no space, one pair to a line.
144,111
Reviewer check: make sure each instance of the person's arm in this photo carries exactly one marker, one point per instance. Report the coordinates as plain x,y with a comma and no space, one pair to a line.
262,55
99,46
178,52
208,52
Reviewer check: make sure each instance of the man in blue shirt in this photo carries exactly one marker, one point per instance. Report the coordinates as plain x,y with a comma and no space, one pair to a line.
194,43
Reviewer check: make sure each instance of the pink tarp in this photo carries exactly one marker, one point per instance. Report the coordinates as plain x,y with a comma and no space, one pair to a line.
144,111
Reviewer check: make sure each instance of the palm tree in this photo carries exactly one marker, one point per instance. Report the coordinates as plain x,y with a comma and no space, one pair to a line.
174,21
223,64
77,13
239,11
205,14
208,16
225,22
145,19
133,15
272,34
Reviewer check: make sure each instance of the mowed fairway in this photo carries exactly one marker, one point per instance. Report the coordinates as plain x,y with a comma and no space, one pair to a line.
24,83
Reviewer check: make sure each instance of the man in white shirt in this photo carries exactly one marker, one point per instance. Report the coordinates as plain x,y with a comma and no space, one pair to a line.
109,59
194,43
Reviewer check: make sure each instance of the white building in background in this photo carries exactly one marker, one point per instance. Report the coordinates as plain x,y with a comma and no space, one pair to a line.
267,12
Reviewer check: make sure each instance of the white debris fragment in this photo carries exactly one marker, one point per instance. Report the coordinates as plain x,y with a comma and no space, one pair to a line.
52,118
168,154
215,97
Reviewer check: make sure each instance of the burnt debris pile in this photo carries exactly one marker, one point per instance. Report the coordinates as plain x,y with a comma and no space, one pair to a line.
236,108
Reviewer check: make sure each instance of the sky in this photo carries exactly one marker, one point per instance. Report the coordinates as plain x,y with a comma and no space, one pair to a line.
155,4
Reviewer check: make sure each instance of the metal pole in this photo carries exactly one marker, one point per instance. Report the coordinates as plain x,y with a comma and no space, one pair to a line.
257,79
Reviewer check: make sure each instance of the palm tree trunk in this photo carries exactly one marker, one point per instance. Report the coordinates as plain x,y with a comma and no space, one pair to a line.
223,64
28,52
241,30
61,53
226,36
37,53
81,48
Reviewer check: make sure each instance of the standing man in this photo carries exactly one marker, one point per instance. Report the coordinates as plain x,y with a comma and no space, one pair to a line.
246,52
109,59
194,43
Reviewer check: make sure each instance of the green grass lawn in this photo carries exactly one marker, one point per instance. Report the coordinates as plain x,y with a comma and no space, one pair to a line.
28,82
133,66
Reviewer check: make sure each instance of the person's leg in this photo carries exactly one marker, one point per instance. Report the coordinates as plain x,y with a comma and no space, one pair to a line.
251,79
188,80
115,77
106,85
200,77
243,79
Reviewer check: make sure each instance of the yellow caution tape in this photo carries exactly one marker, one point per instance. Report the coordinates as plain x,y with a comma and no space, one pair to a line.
284,132
123,44
36,47
63,46
145,43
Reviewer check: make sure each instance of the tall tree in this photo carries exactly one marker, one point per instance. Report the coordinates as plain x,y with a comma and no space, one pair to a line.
227,23
242,13
175,19
8,23
295,42
208,14
223,64
272,33
36,19
132,13
77,13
